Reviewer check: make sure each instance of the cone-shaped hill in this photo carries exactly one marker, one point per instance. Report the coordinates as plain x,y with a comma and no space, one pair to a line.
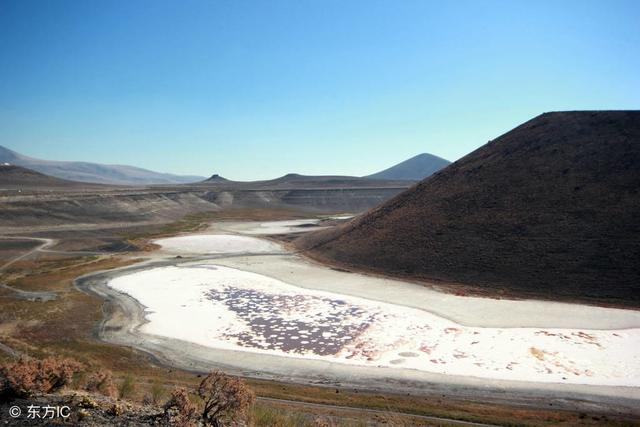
414,169
215,178
550,209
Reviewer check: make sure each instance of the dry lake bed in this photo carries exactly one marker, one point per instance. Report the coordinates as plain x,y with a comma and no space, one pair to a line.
240,300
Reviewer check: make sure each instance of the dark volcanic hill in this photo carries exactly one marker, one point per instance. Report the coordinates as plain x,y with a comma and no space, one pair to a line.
215,179
550,209
94,172
414,169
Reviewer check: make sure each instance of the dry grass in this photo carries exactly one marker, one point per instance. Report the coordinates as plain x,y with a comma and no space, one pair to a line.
402,405
57,273
268,416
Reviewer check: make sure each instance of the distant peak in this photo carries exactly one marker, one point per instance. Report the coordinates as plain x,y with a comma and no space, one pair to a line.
216,177
289,177
416,168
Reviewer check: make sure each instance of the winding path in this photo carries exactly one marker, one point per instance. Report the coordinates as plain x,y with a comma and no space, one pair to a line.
45,243
42,248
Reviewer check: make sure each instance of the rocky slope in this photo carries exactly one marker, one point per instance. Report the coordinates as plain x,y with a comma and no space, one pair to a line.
549,209
78,409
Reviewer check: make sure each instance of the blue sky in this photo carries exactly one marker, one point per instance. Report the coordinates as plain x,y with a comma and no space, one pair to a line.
257,89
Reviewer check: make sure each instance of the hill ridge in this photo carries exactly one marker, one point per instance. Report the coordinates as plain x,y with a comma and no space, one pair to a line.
549,209
93,172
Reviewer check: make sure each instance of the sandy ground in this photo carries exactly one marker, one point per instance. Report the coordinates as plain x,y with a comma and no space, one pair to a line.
531,327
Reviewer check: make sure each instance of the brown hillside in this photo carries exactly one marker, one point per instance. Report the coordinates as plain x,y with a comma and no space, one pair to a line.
549,209
16,177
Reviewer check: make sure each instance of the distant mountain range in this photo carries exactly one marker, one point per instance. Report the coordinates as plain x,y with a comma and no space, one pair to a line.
17,177
94,172
413,169
550,209
298,181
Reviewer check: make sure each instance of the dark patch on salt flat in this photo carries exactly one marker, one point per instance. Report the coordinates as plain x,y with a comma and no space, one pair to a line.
270,318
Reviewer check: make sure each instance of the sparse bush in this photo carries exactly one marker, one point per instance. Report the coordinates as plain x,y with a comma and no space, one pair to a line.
127,387
157,392
179,410
79,380
225,398
27,376
102,382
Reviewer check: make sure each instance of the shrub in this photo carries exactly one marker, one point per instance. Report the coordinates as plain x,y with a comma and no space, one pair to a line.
179,410
127,387
27,376
102,382
157,392
79,380
225,398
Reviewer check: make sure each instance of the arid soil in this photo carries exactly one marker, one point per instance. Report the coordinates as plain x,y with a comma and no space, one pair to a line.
79,409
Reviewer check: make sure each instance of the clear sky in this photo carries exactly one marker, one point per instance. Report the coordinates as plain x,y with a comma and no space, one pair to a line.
257,89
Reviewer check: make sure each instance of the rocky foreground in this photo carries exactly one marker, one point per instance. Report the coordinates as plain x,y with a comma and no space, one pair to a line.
78,409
